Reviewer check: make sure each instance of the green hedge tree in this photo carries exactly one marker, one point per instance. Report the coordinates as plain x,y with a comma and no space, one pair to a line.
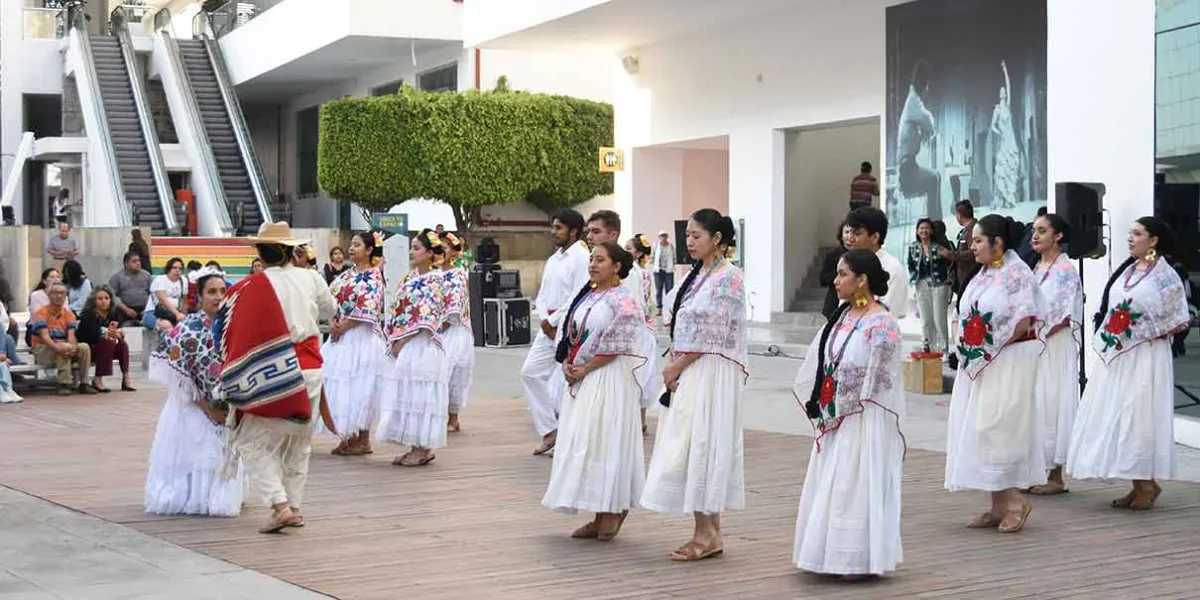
467,149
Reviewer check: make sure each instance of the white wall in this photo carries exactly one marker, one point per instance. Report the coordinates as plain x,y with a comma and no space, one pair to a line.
1085,142
488,19
578,74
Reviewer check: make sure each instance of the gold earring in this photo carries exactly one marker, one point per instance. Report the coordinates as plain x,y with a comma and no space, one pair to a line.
861,299
996,264
1152,255
616,282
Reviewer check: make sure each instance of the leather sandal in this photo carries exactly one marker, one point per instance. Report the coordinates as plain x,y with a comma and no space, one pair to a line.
544,447
588,531
1139,504
1026,508
1124,501
986,520
693,551
278,521
604,536
1049,488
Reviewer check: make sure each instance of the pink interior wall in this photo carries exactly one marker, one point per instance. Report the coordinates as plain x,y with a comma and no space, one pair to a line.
705,181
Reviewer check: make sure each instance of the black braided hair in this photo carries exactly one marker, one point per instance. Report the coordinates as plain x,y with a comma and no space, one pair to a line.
813,407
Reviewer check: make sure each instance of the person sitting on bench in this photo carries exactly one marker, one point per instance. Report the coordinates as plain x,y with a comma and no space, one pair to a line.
54,343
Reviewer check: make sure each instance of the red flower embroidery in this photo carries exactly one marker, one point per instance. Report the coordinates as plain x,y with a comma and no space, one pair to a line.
1121,321
975,331
828,390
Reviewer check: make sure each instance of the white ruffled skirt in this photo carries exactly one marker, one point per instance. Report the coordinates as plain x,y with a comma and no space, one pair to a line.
849,518
599,457
1125,426
1058,395
415,396
648,374
352,379
698,454
994,436
187,457
459,343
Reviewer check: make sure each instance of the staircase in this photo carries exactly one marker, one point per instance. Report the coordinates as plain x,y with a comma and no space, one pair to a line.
233,171
129,141
810,296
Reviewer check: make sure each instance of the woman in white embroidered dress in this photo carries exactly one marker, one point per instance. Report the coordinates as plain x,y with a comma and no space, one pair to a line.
639,247
598,460
697,466
188,453
1125,426
1058,367
457,337
849,384
354,353
993,438
415,383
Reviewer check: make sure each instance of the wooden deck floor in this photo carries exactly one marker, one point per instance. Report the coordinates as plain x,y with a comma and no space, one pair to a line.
471,525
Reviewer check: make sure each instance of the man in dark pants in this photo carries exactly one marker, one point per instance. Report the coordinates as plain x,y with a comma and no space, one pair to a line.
963,261
863,188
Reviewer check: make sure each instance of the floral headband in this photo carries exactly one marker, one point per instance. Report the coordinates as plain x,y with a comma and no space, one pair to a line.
453,239
642,240
195,276
434,241
377,238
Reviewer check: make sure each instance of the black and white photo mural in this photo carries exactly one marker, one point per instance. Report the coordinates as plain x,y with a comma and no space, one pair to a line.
966,110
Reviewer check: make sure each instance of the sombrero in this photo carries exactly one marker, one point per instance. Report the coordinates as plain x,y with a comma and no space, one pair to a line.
276,234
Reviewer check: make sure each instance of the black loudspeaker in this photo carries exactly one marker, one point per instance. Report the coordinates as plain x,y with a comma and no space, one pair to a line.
487,279
475,291
1179,205
681,254
1081,204
506,322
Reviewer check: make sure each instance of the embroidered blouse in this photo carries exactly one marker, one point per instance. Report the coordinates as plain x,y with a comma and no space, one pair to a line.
359,296
456,297
712,316
862,365
647,289
1142,307
994,303
419,304
189,351
1062,293
607,323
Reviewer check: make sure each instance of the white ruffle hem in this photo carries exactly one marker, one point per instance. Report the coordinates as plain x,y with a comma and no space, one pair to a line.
415,396
459,343
351,373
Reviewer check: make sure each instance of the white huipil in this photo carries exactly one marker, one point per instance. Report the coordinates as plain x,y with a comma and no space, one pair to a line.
457,339
1124,428
697,465
565,274
650,379
849,516
354,360
415,394
1058,368
598,460
994,436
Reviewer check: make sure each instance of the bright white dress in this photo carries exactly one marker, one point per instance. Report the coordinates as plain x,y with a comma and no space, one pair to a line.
849,516
697,465
415,388
599,463
458,339
1058,368
1124,428
188,453
994,438
651,377
354,362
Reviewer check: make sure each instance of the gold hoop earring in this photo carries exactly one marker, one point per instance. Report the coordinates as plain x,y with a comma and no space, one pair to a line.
1152,255
616,282
861,299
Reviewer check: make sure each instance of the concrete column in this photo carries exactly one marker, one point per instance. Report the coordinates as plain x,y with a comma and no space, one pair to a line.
756,178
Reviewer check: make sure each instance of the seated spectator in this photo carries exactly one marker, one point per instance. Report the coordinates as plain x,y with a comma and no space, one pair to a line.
131,289
39,299
8,344
62,247
100,329
337,264
167,294
79,288
54,343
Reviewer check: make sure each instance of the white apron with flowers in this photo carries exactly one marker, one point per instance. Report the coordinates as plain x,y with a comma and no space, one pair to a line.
994,435
1124,428
849,517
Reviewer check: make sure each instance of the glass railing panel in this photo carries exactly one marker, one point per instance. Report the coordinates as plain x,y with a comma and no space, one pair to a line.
43,23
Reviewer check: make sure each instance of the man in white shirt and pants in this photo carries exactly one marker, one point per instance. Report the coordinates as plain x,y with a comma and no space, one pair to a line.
866,229
564,275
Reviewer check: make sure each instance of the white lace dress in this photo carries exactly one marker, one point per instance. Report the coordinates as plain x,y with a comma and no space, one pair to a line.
1125,426
458,339
849,516
415,390
651,379
598,458
1058,367
697,464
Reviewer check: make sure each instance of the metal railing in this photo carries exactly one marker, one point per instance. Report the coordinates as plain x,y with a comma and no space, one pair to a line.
43,23
208,165
258,182
162,183
80,36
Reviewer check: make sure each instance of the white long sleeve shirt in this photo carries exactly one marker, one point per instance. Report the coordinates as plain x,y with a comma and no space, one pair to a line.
565,273
305,300
897,296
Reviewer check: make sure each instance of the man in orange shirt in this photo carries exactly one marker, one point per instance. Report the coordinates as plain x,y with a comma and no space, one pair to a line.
54,343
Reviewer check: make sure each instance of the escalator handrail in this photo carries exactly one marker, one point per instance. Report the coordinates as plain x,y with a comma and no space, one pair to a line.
158,167
258,182
79,31
212,176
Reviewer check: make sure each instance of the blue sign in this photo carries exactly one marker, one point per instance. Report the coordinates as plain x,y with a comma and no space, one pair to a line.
396,223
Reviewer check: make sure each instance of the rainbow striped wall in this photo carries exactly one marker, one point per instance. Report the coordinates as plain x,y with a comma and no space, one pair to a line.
234,254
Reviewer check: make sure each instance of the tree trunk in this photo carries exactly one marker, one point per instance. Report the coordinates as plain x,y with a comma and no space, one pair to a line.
465,219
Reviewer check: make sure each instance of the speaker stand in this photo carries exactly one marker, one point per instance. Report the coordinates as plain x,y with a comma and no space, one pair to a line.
1082,338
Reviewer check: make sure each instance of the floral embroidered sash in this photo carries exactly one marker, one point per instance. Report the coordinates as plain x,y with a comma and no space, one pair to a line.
712,320
419,304
1152,307
994,303
359,296
1062,295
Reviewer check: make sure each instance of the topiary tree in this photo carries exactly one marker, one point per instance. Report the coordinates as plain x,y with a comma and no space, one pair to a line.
467,149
